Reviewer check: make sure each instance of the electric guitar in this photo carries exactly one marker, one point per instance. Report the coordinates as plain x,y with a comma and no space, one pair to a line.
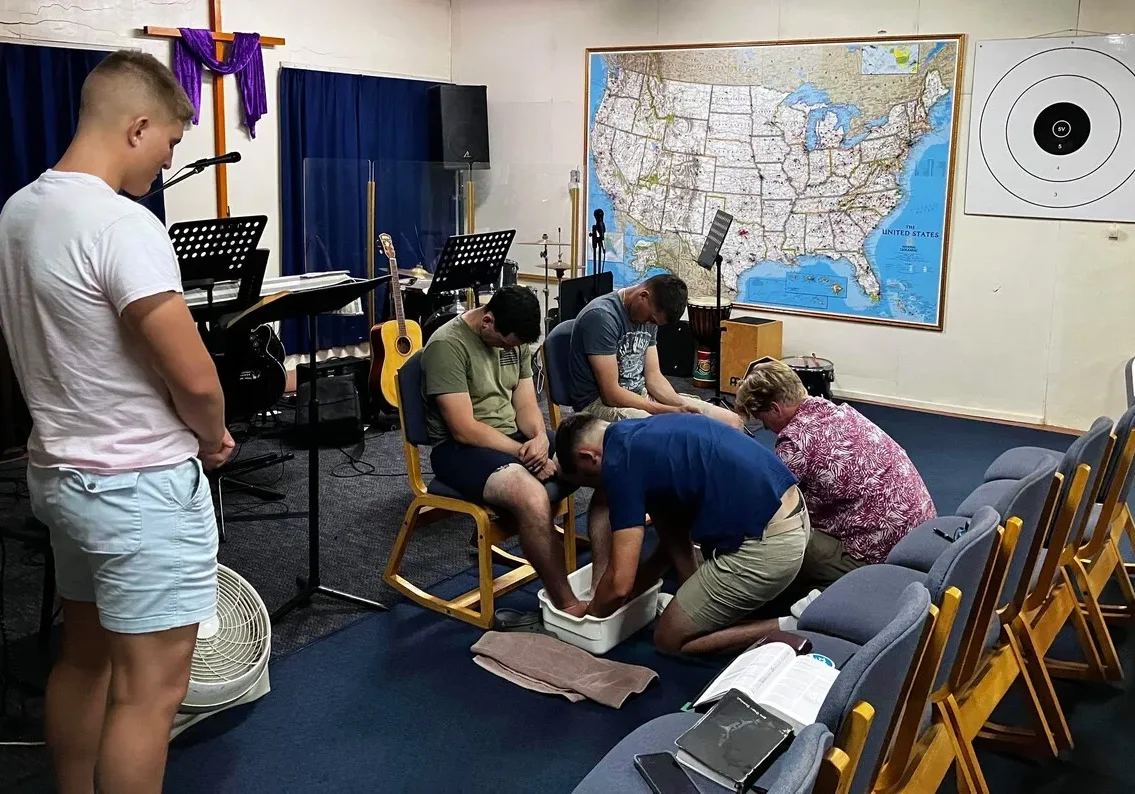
398,339
252,373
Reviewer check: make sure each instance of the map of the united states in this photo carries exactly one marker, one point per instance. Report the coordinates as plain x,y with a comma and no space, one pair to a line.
833,160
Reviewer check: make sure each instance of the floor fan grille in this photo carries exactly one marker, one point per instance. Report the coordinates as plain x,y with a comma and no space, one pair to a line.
232,648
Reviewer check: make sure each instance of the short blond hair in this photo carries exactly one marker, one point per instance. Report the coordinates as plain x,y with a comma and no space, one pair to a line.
128,81
769,382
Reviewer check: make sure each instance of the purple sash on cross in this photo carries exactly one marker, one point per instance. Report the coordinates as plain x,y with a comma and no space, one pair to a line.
195,47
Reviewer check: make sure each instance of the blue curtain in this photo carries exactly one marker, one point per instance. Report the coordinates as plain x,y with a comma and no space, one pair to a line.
338,132
39,109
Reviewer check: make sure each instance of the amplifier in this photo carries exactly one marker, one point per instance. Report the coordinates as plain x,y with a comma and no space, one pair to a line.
743,341
352,367
340,417
676,349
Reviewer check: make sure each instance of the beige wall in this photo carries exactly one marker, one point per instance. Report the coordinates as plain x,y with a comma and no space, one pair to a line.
1038,320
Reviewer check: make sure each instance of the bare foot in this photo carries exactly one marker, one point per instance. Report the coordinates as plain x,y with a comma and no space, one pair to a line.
576,610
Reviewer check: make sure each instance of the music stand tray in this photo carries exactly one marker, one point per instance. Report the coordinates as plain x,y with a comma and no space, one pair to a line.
468,261
310,304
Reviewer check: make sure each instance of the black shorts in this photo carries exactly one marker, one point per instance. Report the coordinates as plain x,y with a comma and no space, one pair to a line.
466,468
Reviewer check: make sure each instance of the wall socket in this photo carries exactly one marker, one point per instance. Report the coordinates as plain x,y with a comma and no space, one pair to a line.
1113,232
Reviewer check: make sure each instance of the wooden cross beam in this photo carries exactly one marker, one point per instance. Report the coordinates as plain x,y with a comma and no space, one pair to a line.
219,38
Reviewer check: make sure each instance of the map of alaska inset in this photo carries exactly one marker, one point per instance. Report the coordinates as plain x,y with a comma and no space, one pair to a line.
833,158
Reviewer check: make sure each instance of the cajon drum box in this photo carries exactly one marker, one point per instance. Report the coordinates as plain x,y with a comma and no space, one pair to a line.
743,340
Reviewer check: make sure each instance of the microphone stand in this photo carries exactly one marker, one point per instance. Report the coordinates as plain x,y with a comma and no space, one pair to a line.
598,259
197,169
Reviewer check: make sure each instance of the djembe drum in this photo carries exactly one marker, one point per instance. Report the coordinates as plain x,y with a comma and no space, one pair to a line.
705,321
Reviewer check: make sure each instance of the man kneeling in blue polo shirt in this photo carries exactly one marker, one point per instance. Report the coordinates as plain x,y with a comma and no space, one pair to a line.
701,482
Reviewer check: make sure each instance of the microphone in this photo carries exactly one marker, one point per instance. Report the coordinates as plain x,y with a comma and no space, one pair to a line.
193,169
231,157
599,225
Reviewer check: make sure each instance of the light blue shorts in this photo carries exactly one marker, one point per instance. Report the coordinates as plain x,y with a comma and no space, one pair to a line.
141,546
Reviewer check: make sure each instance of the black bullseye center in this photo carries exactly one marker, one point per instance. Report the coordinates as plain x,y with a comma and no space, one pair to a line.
1062,128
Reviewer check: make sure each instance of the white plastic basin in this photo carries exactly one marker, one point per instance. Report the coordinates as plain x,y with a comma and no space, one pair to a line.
598,635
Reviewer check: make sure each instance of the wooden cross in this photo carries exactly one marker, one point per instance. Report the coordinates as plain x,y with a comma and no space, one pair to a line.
220,38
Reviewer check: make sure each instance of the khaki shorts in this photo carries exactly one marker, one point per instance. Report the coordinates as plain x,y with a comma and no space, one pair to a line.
826,560
609,414
727,587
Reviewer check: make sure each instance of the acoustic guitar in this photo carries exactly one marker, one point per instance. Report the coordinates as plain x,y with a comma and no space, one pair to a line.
398,339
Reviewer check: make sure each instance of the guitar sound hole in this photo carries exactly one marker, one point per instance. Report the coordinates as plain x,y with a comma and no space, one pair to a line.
403,345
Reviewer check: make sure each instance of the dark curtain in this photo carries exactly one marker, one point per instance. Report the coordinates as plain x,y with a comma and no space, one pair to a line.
338,132
39,108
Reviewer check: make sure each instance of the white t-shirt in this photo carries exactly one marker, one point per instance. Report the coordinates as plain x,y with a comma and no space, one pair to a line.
73,255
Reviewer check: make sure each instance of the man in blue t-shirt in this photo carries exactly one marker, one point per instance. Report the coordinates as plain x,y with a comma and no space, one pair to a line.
701,482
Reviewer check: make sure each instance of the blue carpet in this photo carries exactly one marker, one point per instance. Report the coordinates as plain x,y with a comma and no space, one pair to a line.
395,703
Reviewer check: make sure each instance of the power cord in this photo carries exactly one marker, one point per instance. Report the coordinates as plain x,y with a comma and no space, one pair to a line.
356,466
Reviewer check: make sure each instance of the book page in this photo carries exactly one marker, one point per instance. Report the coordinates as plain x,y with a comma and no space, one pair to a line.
749,672
796,693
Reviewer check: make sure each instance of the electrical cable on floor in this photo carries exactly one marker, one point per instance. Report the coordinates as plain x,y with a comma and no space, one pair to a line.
364,468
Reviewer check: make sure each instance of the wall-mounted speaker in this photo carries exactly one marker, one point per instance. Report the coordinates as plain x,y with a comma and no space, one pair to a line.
459,126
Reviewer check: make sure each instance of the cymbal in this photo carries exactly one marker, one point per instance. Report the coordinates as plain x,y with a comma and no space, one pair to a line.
548,243
416,272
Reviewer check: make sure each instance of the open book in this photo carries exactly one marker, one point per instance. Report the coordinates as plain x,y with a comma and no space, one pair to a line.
772,676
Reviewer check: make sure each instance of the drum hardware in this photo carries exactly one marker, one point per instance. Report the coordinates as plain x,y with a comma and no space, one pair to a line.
552,316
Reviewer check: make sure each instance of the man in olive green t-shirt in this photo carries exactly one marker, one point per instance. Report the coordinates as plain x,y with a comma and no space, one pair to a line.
490,442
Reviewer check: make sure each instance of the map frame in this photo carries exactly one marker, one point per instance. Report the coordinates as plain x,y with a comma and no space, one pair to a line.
955,88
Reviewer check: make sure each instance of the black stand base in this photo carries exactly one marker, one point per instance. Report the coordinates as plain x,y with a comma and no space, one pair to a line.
259,491
304,596
310,586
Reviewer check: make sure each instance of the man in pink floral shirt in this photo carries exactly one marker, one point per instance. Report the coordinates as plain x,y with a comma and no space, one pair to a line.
862,491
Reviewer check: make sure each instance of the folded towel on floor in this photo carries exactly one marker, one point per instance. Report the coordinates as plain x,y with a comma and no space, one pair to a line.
496,668
564,668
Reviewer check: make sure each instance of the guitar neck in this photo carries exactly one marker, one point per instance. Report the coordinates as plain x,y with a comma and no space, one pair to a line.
396,292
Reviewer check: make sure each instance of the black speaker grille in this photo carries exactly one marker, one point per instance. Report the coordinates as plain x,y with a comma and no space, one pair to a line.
459,126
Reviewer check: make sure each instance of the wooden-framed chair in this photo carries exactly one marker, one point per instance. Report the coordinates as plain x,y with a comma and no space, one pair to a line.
437,501
1092,451
857,711
923,752
958,581
1100,559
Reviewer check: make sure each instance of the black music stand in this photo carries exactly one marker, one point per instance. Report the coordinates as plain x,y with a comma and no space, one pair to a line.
468,261
310,304
711,255
213,250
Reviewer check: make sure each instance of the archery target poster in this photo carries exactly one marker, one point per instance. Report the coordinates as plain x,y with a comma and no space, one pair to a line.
1052,129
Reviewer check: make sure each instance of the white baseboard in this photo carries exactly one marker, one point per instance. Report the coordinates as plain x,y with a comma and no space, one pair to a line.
967,412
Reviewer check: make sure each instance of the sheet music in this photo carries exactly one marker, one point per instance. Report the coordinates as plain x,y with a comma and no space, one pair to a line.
228,290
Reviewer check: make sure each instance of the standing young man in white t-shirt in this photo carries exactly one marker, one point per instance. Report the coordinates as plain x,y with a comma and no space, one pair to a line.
127,412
